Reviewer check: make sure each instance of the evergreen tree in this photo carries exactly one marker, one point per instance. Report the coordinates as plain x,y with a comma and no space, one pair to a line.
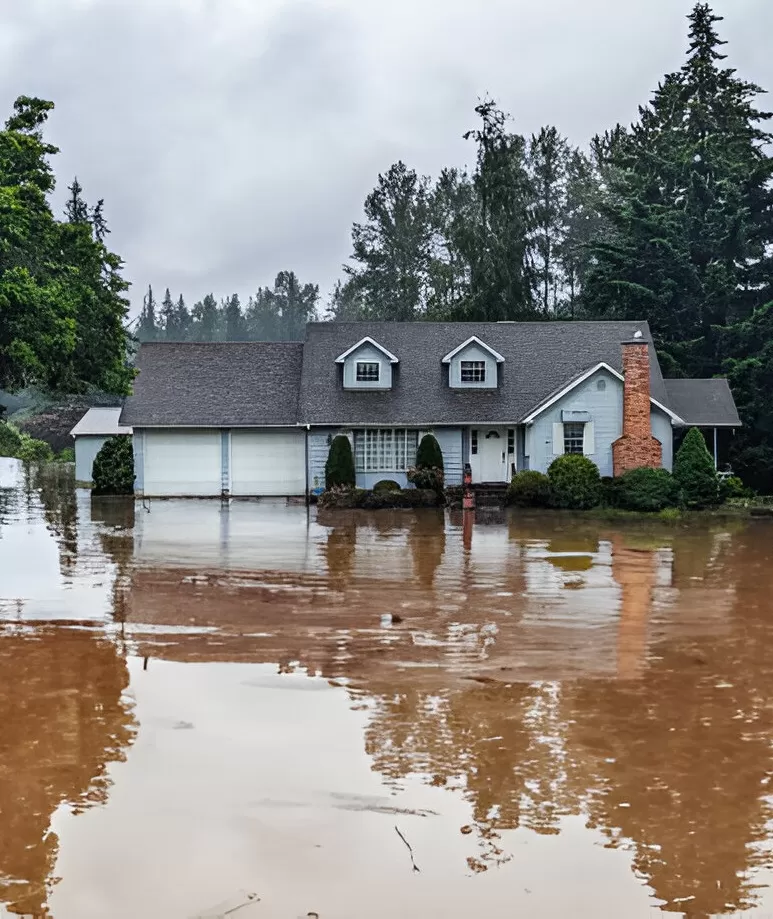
182,319
391,249
694,472
167,317
262,316
345,304
206,320
234,321
454,208
147,329
297,305
77,210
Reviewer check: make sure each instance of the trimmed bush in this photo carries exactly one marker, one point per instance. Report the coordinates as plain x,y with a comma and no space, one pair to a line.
575,482
732,488
10,439
429,455
694,472
426,477
386,485
339,468
529,488
113,470
646,490
360,498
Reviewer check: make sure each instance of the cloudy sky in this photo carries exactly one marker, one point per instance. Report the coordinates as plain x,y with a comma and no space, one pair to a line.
235,138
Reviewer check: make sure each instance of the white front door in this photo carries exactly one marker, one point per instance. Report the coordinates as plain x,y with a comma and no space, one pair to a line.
492,449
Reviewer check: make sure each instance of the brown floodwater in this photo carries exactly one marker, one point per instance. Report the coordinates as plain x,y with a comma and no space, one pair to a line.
250,710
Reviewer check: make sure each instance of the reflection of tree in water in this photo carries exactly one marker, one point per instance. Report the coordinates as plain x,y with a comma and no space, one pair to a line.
115,518
64,721
497,742
427,539
55,485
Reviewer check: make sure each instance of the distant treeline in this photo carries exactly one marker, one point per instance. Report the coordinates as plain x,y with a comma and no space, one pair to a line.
278,314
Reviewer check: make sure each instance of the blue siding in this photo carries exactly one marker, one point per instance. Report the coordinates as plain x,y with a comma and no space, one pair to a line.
317,457
138,441
606,409
450,440
663,430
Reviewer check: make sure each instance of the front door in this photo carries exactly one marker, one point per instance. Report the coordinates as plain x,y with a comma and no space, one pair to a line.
492,446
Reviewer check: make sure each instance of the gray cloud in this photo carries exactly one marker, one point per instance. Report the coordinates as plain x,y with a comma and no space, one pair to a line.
235,138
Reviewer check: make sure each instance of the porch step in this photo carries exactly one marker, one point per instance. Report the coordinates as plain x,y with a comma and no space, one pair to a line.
490,494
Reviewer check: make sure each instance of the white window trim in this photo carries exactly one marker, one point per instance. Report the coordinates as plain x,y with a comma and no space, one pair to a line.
471,382
364,361
473,340
529,419
367,341
409,460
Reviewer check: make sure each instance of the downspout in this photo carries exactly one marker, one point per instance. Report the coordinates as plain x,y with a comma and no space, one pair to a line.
716,453
306,447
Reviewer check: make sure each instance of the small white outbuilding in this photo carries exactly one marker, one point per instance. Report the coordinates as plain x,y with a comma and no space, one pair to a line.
90,433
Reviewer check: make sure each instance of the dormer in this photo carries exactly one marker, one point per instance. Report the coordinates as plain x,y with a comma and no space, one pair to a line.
367,365
473,365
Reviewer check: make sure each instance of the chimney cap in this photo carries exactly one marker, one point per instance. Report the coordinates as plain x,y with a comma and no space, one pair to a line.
636,339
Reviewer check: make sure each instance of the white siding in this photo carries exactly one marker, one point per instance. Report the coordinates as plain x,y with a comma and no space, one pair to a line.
663,430
182,463
86,449
268,463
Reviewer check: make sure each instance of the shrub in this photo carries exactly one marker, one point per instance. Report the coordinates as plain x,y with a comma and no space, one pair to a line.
34,451
429,455
339,468
360,498
424,477
529,488
386,485
646,490
10,439
575,482
113,470
66,456
694,472
731,488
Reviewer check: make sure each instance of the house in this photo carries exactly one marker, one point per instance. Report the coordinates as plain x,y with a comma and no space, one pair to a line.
255,418
90,433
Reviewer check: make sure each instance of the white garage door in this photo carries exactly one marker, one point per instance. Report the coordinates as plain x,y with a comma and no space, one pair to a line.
268,463
186,463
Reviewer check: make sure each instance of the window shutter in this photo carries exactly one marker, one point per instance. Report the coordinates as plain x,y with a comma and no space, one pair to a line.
589,439
558,439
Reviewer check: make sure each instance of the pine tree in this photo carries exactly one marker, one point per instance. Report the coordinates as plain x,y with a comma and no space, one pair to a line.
76,209
167,317
694,471
182,319
206,320
234,321
346,303
147,329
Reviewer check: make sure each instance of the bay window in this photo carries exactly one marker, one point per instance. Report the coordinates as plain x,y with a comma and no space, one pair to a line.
385,449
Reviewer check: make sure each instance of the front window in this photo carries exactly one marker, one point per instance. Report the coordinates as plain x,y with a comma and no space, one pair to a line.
385,449
368,371
574,437
473,372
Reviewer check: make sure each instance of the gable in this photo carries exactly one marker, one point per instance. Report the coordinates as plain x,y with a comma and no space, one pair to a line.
473,366
367,366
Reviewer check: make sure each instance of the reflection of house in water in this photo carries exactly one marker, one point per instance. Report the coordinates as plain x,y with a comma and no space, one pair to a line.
64,721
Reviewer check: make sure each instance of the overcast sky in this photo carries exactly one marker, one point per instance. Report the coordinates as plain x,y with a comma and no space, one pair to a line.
232,139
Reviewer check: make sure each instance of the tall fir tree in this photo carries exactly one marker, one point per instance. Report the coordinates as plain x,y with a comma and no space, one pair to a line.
147,328
167,321
233,319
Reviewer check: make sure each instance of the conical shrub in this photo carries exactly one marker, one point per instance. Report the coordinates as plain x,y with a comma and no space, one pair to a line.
694,472
339,468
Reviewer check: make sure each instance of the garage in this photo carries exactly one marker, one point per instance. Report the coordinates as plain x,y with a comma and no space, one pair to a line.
268,463
182,463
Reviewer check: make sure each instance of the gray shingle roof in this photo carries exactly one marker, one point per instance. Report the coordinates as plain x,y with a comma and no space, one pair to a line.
215,384
540,357
703,403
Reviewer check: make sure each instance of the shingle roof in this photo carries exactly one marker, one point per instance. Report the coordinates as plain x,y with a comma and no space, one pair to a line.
540,357
100,421
215,384
703,403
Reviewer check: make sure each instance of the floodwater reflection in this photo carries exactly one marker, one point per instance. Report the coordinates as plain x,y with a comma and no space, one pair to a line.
564,717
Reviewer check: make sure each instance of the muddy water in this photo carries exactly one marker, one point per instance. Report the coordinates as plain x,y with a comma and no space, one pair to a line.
246,710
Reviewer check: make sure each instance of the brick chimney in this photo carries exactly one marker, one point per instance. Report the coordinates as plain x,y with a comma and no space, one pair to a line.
637,447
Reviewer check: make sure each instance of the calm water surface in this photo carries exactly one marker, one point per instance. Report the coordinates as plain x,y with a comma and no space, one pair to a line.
203,703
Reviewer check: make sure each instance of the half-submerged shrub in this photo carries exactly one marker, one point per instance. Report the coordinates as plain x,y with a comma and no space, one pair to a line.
386,485
429,455
646,490
575,482
694,472
113,470
732,488
529,488
361,498
426,477
339,468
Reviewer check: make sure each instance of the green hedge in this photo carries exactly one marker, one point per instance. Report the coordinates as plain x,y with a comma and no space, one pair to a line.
429,455
339,468
361,498
529,488
645,490
575,483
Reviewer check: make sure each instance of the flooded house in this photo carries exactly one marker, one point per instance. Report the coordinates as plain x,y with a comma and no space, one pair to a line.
257,419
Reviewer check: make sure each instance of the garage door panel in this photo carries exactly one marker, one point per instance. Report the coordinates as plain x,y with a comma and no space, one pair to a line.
183,463
268,463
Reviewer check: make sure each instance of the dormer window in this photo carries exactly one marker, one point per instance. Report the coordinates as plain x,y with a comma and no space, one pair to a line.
368,372
473,365
473,371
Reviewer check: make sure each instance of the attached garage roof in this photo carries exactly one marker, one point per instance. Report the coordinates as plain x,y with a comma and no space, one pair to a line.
102,422
703,403
224,384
